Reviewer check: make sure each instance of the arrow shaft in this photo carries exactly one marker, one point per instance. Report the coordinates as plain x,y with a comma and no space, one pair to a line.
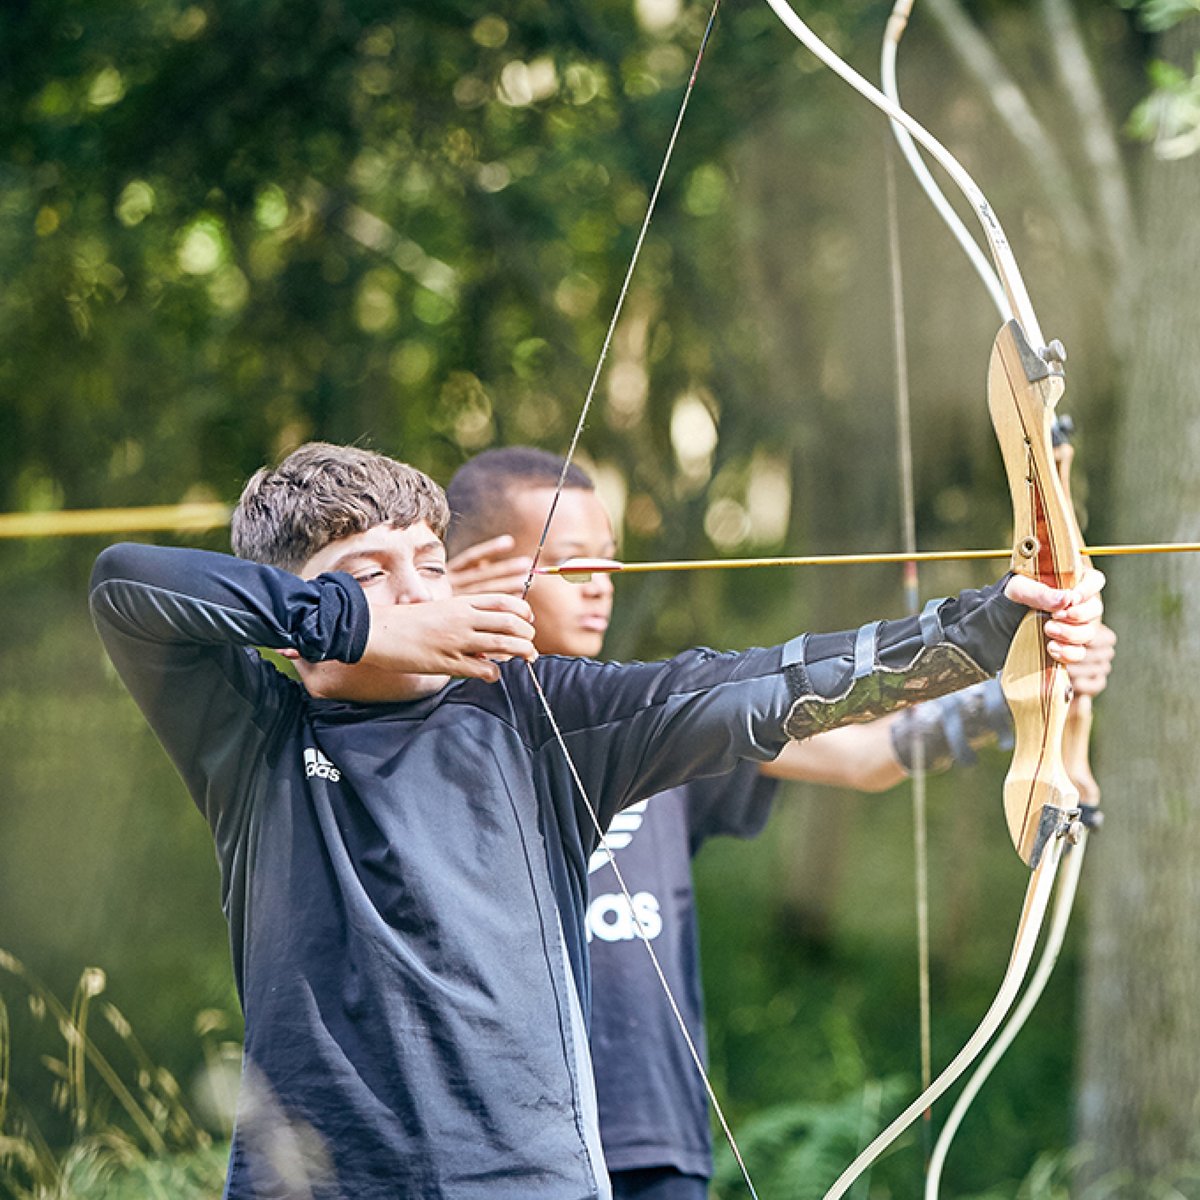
845,560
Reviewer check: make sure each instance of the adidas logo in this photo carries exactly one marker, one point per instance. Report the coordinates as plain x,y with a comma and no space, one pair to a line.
316,764
620,833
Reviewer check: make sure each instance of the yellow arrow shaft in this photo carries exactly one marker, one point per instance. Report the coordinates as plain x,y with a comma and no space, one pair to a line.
201,516
828,560
156,518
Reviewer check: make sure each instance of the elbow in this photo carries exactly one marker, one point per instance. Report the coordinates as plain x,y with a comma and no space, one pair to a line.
114,564
111,563
881,779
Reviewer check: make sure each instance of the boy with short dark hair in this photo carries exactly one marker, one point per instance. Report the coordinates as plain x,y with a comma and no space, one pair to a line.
654,1119
403,850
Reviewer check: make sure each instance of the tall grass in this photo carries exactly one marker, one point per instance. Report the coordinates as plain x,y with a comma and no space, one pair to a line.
131,1133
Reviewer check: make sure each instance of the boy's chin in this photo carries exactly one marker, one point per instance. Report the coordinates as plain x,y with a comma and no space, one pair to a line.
588,646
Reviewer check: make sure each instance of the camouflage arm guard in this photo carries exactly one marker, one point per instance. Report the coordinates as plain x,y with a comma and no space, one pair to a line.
950,730
857,676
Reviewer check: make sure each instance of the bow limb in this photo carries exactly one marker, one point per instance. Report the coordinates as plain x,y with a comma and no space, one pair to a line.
1076,745
897,24
1019,304
1064,899
1033,911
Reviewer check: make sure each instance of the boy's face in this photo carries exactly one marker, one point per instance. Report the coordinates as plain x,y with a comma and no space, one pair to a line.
570,618
393,566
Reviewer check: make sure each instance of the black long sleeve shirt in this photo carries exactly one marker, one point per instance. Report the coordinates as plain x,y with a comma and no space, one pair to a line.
400,879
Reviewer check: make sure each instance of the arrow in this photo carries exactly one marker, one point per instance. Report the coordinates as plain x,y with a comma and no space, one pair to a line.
581,570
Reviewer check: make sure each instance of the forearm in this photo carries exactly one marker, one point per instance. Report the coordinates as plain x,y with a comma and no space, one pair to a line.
949,732
859,676
843,682
859,757
701,712
933,737
164,596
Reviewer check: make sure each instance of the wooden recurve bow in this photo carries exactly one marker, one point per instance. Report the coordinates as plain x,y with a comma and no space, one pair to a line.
1024,382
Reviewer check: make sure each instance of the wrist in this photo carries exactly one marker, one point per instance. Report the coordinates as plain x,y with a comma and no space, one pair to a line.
949,732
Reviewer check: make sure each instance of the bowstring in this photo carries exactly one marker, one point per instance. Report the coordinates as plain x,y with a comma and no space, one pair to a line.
651,205
568,459
912,597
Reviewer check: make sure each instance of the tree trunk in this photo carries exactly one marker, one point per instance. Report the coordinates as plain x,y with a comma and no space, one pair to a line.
1139,1111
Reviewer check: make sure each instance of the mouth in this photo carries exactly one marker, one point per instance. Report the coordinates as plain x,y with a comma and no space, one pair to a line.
594,623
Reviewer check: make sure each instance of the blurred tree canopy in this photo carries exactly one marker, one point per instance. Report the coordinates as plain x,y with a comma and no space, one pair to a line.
229,228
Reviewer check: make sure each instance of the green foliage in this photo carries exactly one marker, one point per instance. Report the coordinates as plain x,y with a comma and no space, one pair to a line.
1158,15
1054,1177
1169,117
98,1170
131,1133
242,226
797,1150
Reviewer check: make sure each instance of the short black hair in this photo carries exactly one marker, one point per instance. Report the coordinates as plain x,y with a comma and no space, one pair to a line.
479,492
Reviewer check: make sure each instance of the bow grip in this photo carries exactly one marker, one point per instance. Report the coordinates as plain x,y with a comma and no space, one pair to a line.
1023,390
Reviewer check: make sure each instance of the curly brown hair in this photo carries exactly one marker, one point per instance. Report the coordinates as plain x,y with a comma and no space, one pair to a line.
322,492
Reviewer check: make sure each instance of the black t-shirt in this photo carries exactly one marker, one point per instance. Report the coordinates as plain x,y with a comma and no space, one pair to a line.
653,1107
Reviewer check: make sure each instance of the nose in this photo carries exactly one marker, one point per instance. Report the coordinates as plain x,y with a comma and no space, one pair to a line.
600,585
410,586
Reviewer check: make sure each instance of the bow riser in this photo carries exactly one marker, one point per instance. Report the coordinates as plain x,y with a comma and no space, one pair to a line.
1023,390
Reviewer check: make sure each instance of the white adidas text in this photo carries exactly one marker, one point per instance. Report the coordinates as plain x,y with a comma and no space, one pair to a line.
316,764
